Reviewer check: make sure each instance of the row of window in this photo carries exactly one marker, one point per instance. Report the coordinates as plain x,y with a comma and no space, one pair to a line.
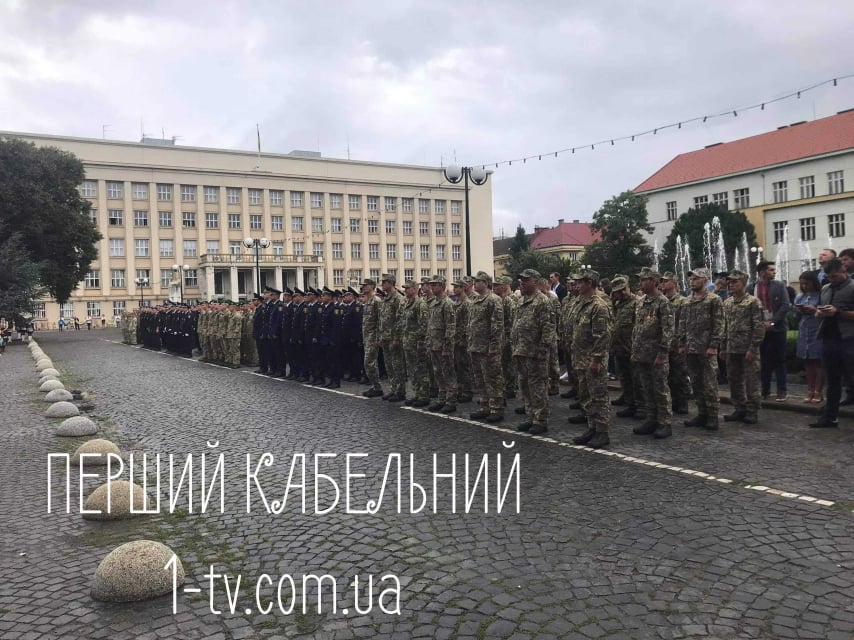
119,281
66,310
835,184
740,200
139,191
835,228
142,249
116,218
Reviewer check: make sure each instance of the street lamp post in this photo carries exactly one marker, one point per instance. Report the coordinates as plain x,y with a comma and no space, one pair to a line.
479,176
257,244
141,283
181,268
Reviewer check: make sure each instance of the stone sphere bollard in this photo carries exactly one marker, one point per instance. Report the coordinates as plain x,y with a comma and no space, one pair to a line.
43,364
58,395
50,372
51,385
77,426
135,571
62,410
98,446
119,493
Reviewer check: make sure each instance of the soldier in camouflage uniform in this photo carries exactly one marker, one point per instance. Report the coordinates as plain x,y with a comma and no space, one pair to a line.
413,329
651,339
624,308
554,361
461,354
745,329
218,327
532,337
427,296
501,287
390,340
565,319
485,345
591,343
701,330
248,352
370,337
441,336
680,386
202,329
233,335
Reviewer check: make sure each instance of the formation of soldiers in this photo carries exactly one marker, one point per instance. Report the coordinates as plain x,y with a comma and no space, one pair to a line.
488,342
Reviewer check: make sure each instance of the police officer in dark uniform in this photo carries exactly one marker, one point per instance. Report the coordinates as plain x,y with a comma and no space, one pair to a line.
297,338
314,355
272,331
283,344
258,322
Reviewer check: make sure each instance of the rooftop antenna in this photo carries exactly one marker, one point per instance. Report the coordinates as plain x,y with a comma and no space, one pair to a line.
348,146
141,128
104,128
163,132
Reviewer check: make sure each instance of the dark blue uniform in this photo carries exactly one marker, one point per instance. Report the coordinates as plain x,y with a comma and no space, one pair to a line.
298,343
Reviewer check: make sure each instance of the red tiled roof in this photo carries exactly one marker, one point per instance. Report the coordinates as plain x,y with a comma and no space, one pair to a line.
571,233
826,135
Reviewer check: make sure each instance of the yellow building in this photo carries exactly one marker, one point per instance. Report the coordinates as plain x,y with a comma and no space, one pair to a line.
567,240
326,221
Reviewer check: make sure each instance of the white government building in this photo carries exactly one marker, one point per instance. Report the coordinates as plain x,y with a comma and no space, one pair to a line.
798,177
325,222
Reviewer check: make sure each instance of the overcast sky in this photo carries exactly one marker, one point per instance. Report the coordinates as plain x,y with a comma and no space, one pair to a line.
417,81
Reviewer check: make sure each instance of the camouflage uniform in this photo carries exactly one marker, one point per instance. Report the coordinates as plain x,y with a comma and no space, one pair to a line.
568,308
220,323
204,338
428,298
554,361
508,364
232,335
485,344
441,335
462,361
248,351
701,327
591,342
624,312
677,379
532,337
390,341
370,337
651,339
413,329
745,330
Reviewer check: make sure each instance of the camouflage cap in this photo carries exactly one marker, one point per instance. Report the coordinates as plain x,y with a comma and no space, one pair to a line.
700,272
589,274
619,283
529,273
459,283
504,280
437,279
483,276
425,280
369,281
668,275
735,274
646,273
410,284
387,277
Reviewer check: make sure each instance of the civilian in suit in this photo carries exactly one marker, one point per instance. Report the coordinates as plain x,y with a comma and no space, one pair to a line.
776,304
558,288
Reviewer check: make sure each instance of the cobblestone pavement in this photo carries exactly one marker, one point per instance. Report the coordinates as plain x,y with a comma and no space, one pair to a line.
604,545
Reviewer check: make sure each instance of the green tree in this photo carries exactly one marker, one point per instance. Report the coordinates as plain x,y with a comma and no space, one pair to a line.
18,277
622,223
521,242
40,202
541,261
691,225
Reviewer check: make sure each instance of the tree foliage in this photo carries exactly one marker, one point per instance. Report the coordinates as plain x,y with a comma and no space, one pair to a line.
622,223
521,242
39,202
18,277
690,226
541,261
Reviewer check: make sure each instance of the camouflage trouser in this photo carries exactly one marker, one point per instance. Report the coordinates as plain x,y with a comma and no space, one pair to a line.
232,352
704,379
219,348
534,380
593,395
446,376
680,387
248,351
205,342
554,369
371,368
653,388
395,366
430,371
417,370
488,379
743,383
570,372
463,366
625,373
508,364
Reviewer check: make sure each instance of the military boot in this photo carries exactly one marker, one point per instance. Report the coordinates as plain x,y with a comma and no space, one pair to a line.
436,406
619,402
585,437
699,421
494,417
711,424
735,416
538,429
421,403
750,418
599,440
575,405
520,411
480,414
524,426
647,428
662,431
448,408
572,393
627,412
579,419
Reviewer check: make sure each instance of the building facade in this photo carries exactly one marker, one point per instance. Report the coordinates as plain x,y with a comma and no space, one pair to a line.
566,240
327,222
794,184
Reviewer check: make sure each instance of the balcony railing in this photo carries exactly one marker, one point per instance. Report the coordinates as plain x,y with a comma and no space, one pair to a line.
266,259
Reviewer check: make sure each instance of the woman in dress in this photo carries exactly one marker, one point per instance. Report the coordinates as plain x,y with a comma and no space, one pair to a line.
809,346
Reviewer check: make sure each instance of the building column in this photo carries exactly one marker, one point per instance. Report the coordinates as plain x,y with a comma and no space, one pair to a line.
234,294
210,283
321,280
277,278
